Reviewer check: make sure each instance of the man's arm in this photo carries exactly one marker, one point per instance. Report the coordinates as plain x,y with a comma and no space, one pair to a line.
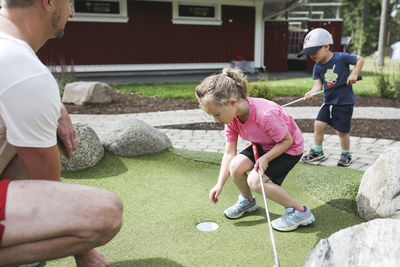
40,163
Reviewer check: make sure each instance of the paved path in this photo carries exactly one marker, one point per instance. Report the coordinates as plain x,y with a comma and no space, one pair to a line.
364,150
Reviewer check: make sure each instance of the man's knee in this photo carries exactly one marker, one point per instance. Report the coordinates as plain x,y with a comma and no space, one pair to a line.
103,220
110,213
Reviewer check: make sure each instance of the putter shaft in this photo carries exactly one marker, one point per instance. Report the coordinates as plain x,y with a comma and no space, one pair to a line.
271,233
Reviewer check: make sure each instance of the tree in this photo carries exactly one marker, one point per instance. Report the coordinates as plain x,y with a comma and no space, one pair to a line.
382,34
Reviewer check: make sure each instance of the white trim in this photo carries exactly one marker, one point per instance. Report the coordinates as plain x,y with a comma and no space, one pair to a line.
142,67
122,17
220,2
176,19
259,35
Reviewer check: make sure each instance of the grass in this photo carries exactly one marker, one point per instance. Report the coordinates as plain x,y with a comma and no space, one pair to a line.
165,195
161,90
279,87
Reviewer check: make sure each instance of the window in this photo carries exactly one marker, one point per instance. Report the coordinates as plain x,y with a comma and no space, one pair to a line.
101,11
196,13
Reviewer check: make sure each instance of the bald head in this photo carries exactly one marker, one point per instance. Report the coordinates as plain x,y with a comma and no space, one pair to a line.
17,3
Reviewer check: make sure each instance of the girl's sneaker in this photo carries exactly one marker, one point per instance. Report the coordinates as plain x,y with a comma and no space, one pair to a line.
293,219
241,206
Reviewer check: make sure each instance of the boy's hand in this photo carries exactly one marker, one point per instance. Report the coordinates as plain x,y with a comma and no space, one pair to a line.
214,193
308,95
352,78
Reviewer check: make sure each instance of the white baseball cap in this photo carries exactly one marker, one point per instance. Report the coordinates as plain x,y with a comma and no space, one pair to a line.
314,40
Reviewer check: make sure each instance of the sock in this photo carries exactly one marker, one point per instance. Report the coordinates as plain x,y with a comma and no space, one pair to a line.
317,148
345,151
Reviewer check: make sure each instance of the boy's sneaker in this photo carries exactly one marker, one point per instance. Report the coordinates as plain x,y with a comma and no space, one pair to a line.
293,219
241,206
345,160
313,156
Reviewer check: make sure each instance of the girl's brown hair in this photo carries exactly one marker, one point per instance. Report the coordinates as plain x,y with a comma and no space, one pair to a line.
230,83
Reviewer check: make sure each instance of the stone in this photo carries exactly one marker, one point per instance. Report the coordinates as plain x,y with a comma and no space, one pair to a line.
88,152
379,192
131,137
79,93
374,243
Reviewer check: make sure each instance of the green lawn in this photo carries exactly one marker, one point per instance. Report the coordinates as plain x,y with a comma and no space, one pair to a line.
279,87
165,195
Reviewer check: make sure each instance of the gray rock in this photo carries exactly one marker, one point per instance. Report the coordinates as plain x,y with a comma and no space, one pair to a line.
132,137
88,153
79,93
370,244
379,192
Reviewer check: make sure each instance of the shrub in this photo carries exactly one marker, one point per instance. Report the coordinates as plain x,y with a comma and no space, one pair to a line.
260,91
388,84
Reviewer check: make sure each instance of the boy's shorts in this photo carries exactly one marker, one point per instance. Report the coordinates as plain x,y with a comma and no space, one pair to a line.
278,168
338,116
3,195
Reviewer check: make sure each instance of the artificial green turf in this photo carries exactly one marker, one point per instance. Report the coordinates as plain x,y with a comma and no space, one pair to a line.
165,195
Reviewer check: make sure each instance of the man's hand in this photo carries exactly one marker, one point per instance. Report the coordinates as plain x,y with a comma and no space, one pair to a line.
66,133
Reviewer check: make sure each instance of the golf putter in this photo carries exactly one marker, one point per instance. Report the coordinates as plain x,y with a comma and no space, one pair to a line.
255,152
317,93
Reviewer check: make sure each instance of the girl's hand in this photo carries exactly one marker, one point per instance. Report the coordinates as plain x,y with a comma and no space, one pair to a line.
261,165
214,193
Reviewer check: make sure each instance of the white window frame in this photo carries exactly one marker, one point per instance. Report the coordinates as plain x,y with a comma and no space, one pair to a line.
176,19
122,17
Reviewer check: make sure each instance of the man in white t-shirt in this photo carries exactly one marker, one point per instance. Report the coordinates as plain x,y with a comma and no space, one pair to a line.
42,220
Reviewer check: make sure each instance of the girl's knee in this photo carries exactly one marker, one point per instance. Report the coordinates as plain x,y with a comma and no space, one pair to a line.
253,181
237,167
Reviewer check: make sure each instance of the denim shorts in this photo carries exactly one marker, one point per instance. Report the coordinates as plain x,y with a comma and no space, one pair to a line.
338,116
278,168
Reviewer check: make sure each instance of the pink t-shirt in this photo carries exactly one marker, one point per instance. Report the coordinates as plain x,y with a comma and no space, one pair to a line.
267,125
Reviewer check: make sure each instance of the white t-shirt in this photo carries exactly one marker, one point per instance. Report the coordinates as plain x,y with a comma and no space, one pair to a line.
29,97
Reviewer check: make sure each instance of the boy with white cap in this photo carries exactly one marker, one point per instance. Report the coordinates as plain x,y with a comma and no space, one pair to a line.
331,68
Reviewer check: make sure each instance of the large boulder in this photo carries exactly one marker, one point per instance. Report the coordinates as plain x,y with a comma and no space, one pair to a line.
374,243
379,192
88,153
79,93
132,137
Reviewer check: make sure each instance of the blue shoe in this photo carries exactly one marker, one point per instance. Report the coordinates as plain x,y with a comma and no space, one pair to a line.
293,219
241,206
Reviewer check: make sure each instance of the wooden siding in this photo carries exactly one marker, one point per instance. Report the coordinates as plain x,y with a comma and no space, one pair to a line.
150,38
276,46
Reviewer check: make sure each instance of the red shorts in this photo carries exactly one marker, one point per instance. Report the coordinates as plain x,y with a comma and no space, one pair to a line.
3,196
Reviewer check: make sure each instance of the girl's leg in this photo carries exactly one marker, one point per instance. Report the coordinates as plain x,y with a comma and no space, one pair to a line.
273,191
239,167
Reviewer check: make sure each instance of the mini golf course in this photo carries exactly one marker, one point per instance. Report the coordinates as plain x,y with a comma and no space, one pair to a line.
165,196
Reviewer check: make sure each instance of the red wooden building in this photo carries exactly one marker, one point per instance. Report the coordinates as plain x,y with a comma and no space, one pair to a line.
163,35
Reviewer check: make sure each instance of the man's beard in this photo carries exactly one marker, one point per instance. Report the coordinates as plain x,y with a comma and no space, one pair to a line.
59,33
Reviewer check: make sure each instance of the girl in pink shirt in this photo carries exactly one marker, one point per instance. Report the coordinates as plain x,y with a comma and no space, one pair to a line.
279,142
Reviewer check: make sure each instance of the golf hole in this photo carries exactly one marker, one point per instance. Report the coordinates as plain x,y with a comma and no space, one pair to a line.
207,226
